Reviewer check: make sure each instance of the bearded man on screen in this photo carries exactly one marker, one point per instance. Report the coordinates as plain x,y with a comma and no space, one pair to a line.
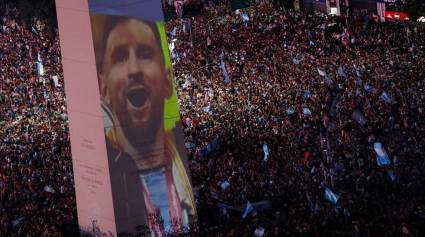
150,185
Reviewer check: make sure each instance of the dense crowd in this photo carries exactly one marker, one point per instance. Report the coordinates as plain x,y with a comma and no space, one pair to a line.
316,91
36,183
319,91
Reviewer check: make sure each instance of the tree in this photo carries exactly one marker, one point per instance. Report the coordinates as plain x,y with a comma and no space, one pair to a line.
415,8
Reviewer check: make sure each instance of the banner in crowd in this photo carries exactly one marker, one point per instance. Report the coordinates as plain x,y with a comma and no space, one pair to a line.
224,70
40,67
266,151
130,165
245,17
331,196
382,158
245,209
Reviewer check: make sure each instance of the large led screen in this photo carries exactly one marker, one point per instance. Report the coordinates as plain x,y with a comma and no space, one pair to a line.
150,182
131,176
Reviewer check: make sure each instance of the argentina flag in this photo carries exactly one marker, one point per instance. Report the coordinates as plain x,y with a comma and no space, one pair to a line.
224,185
321,72
245,17
331,196
290,110
306,111
40,67
174,32
224,70
368,88
18,221
341,72
249,208
259,232
391,175
34,30
266,151
386,97
382,158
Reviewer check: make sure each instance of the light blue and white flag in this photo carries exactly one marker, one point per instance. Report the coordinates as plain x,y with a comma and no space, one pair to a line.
55,79
266,152
49,189
46,95
382,158
347,212
245,17
174,32
221,56
249,208
223,205
224,185
312,205
359,92
207,109
331,196
386,97
258,206
306,111
368,88
34,30
290,110
224,70
328,80
391,175
359,73
40,67
296,61
341,72
171,47
18,221
321,72
259,232
185,26
316,208
359,117
311,43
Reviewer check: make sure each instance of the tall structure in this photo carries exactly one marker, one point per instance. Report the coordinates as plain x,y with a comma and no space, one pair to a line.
129,161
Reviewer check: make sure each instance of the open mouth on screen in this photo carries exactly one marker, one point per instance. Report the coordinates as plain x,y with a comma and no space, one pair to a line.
138,96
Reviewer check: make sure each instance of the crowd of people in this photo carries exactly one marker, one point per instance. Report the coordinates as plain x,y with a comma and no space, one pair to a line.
277,107
37,196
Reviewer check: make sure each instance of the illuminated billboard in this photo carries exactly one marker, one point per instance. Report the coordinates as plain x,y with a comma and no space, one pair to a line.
130,164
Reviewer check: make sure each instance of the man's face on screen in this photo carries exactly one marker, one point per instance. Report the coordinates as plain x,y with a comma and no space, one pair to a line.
134,79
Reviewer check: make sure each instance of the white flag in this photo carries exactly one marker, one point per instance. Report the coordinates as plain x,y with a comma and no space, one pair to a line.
49,189
249,208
